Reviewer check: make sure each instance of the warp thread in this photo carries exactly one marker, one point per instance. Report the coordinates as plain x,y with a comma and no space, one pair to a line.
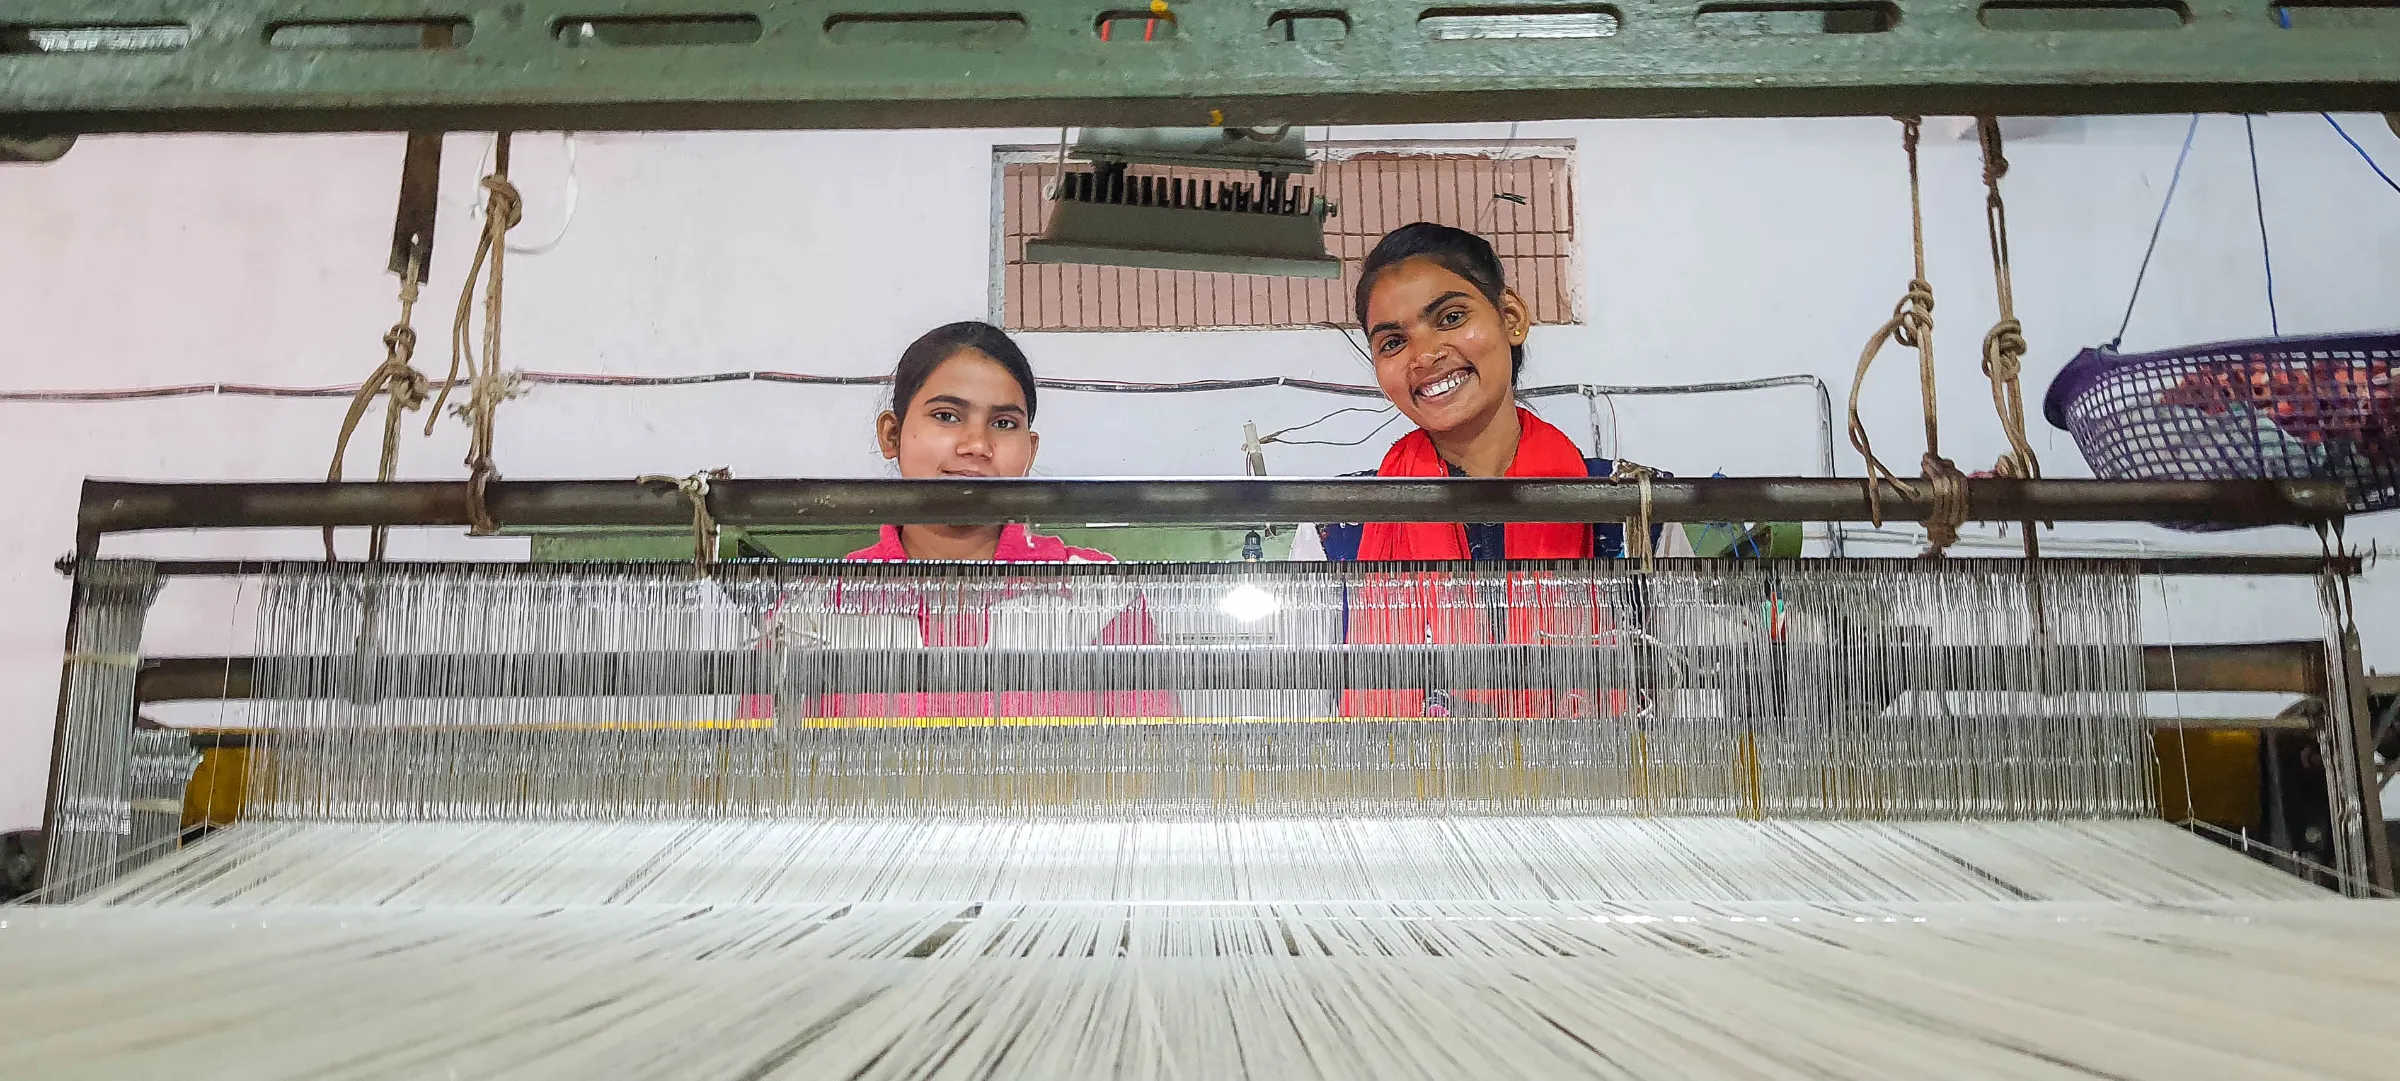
488,386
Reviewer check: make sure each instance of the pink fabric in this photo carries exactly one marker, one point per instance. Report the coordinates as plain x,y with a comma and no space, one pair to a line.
961,629
1017,545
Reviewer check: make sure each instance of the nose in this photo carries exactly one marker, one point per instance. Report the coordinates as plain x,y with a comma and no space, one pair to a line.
975,443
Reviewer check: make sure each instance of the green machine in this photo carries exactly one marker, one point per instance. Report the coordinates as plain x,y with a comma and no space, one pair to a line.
88,66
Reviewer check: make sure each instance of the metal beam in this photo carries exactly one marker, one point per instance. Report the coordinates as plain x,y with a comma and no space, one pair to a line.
2261,666
2224,566
127,506
72,66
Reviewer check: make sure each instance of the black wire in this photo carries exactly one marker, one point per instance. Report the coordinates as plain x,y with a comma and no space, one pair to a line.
2173,182
1276,436
2258,196
1371,433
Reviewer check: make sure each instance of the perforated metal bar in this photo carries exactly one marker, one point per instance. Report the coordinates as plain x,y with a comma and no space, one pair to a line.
338,65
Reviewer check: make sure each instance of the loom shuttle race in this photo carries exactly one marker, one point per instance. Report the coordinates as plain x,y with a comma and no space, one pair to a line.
739,819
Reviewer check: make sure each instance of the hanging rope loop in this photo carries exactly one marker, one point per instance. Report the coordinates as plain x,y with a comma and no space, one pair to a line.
487,385
1911,326
704,522
2004,344
403,389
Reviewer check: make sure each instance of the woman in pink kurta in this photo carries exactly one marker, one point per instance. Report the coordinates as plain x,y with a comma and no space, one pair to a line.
963,400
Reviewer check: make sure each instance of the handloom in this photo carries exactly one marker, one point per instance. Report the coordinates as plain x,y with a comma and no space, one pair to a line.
1780,819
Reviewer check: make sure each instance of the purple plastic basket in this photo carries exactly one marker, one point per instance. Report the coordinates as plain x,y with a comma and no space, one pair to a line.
2323,408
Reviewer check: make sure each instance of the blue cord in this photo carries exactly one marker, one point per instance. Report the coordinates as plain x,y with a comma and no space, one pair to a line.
2266,253
2362,151
2173,182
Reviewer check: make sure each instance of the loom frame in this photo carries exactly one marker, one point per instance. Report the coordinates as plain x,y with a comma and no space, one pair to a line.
682,65
2336,676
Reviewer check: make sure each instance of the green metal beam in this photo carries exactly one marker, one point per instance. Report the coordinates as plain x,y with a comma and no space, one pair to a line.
83,66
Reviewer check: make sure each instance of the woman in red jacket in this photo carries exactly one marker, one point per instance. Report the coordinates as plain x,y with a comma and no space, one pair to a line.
1447,336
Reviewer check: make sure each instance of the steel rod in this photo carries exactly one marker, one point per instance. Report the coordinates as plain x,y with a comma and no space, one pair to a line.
2263,565
2264,666
129,506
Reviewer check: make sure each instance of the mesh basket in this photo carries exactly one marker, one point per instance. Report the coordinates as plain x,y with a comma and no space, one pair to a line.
2324,408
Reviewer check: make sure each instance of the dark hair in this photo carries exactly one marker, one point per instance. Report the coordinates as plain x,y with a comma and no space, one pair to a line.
1455,250
919,361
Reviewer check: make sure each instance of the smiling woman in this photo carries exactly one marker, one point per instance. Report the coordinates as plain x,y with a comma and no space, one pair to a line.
963,399
1448,338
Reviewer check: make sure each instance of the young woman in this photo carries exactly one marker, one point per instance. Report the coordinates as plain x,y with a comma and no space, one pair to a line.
962,406
1447,336
963,399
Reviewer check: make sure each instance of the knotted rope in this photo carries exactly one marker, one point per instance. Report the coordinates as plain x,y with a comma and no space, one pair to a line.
1637,529
1911,326
704,523
2004,346
487,387
404,389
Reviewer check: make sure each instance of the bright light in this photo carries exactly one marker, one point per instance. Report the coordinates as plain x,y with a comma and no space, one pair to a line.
1249,603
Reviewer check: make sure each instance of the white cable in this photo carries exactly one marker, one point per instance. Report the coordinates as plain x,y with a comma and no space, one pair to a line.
569,197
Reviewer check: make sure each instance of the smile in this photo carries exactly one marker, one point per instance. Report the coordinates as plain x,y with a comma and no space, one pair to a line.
1444,385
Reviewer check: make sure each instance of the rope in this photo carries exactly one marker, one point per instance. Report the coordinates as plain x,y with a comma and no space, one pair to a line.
1637,530
404,389
487,387
2174,181
2004,346
1911,326
704,523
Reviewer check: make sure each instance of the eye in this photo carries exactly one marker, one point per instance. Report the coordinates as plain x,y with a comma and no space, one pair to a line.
946,416
1453,317
1389,344
1006,424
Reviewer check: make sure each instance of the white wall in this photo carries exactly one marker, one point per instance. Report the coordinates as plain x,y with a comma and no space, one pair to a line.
1711,250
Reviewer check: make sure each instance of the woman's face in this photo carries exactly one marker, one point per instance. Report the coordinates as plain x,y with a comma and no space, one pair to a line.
1441,350
968,420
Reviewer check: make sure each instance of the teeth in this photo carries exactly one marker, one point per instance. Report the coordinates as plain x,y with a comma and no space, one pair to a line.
1442,386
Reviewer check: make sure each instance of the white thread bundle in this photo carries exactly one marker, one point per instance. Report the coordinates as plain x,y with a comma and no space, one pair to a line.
616,693
1292,991
945,860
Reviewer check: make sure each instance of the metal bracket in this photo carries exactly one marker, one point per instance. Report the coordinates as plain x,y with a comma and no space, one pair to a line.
70,66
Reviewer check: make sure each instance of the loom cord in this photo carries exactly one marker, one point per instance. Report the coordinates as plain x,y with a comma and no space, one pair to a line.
2004,345
1911,326
403,387
487,386
695,488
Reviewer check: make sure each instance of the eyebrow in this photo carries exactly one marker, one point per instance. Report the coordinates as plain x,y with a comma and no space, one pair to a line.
962,403
1428,311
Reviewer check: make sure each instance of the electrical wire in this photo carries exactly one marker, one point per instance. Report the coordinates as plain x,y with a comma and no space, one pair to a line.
2173,181
2362,151
569,198
1096,386
1371,433
1279,434
2266,252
